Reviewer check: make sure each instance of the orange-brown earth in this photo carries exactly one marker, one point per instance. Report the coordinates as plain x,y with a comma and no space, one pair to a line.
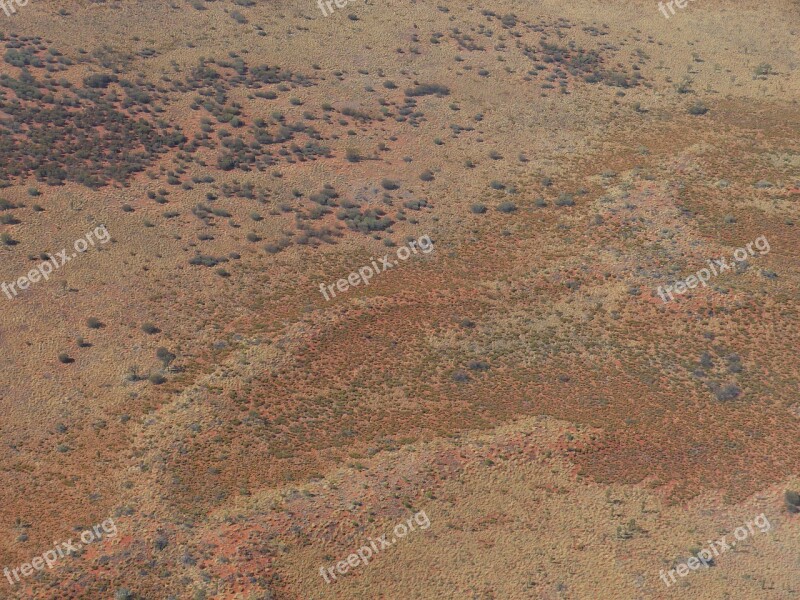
289,428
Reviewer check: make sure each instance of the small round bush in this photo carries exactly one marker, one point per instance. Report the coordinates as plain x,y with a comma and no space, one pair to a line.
165,356
792,500
565,200
460,377
507,207
123,594
150,329
698,108
478,365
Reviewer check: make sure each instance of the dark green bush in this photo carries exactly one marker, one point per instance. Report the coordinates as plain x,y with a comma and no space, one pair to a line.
99,80
150,329
792,500
165,356
565,199
428,89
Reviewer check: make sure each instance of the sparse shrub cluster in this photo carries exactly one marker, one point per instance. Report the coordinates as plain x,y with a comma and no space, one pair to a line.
87,135
373,219
428,89
206,260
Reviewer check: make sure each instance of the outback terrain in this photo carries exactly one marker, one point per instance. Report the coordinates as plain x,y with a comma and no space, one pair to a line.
444,272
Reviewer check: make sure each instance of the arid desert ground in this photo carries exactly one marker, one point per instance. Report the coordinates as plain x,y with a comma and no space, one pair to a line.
400,300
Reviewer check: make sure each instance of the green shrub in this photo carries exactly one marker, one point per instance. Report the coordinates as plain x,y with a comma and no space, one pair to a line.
150,329
415,204
428,89
125,593
565,199
792,500
460,377
238,17
206,261
165,356
99,80
763,70
509,20
698,108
